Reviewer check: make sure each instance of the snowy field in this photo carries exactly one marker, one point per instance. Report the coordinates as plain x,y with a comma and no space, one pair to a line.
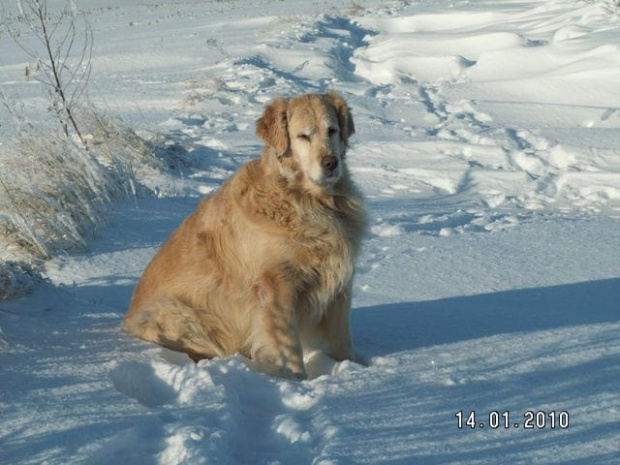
488,149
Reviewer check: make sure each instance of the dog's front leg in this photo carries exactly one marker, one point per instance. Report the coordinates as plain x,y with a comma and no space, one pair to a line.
278,335
335,326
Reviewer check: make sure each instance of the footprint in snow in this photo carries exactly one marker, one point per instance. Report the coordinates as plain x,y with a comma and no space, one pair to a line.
260,417
140,381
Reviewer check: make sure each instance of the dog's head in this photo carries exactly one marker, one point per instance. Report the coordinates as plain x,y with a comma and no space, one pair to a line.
308,136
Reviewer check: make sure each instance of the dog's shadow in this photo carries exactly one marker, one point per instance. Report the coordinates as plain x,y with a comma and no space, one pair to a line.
390,328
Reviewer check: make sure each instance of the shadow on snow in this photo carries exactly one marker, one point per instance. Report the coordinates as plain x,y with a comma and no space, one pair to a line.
389,328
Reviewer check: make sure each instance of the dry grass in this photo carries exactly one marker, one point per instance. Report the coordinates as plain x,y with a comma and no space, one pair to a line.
16,278
58,174
54,191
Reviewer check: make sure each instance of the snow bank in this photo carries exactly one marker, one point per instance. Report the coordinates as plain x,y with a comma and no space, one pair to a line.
555,66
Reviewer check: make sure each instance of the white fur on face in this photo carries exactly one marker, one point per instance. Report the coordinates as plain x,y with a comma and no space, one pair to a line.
310,144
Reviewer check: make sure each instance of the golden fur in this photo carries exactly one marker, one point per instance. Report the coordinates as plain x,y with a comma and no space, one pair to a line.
264,266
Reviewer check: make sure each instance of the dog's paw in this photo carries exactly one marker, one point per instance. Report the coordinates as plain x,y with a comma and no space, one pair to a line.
293,375
361,360
277,370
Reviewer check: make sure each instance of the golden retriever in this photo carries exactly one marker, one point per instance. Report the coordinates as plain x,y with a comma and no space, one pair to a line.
264,266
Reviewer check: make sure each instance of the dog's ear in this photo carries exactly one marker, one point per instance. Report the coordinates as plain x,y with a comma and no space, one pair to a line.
345,119
272,127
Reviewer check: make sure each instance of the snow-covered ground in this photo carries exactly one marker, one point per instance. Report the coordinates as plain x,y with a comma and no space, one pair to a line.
488,147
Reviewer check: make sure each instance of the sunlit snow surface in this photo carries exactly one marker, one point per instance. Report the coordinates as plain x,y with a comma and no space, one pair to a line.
488,148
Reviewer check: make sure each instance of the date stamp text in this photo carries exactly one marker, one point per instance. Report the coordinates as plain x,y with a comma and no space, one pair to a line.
506,420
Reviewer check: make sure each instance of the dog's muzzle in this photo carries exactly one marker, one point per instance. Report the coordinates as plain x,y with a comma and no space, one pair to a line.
329,163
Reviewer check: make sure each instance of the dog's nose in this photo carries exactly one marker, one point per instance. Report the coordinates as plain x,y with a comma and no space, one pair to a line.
329,162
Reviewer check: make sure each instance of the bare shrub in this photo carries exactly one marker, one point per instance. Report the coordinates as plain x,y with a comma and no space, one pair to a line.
55,185
64,72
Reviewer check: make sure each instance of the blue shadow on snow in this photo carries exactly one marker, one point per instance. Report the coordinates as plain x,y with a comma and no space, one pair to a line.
389,328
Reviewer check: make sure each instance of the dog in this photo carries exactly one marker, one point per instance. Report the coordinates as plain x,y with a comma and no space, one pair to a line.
264,266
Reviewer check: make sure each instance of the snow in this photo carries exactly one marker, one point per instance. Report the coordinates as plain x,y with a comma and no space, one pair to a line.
487,147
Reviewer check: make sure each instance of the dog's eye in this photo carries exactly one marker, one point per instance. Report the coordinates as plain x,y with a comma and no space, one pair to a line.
305,137
332,131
